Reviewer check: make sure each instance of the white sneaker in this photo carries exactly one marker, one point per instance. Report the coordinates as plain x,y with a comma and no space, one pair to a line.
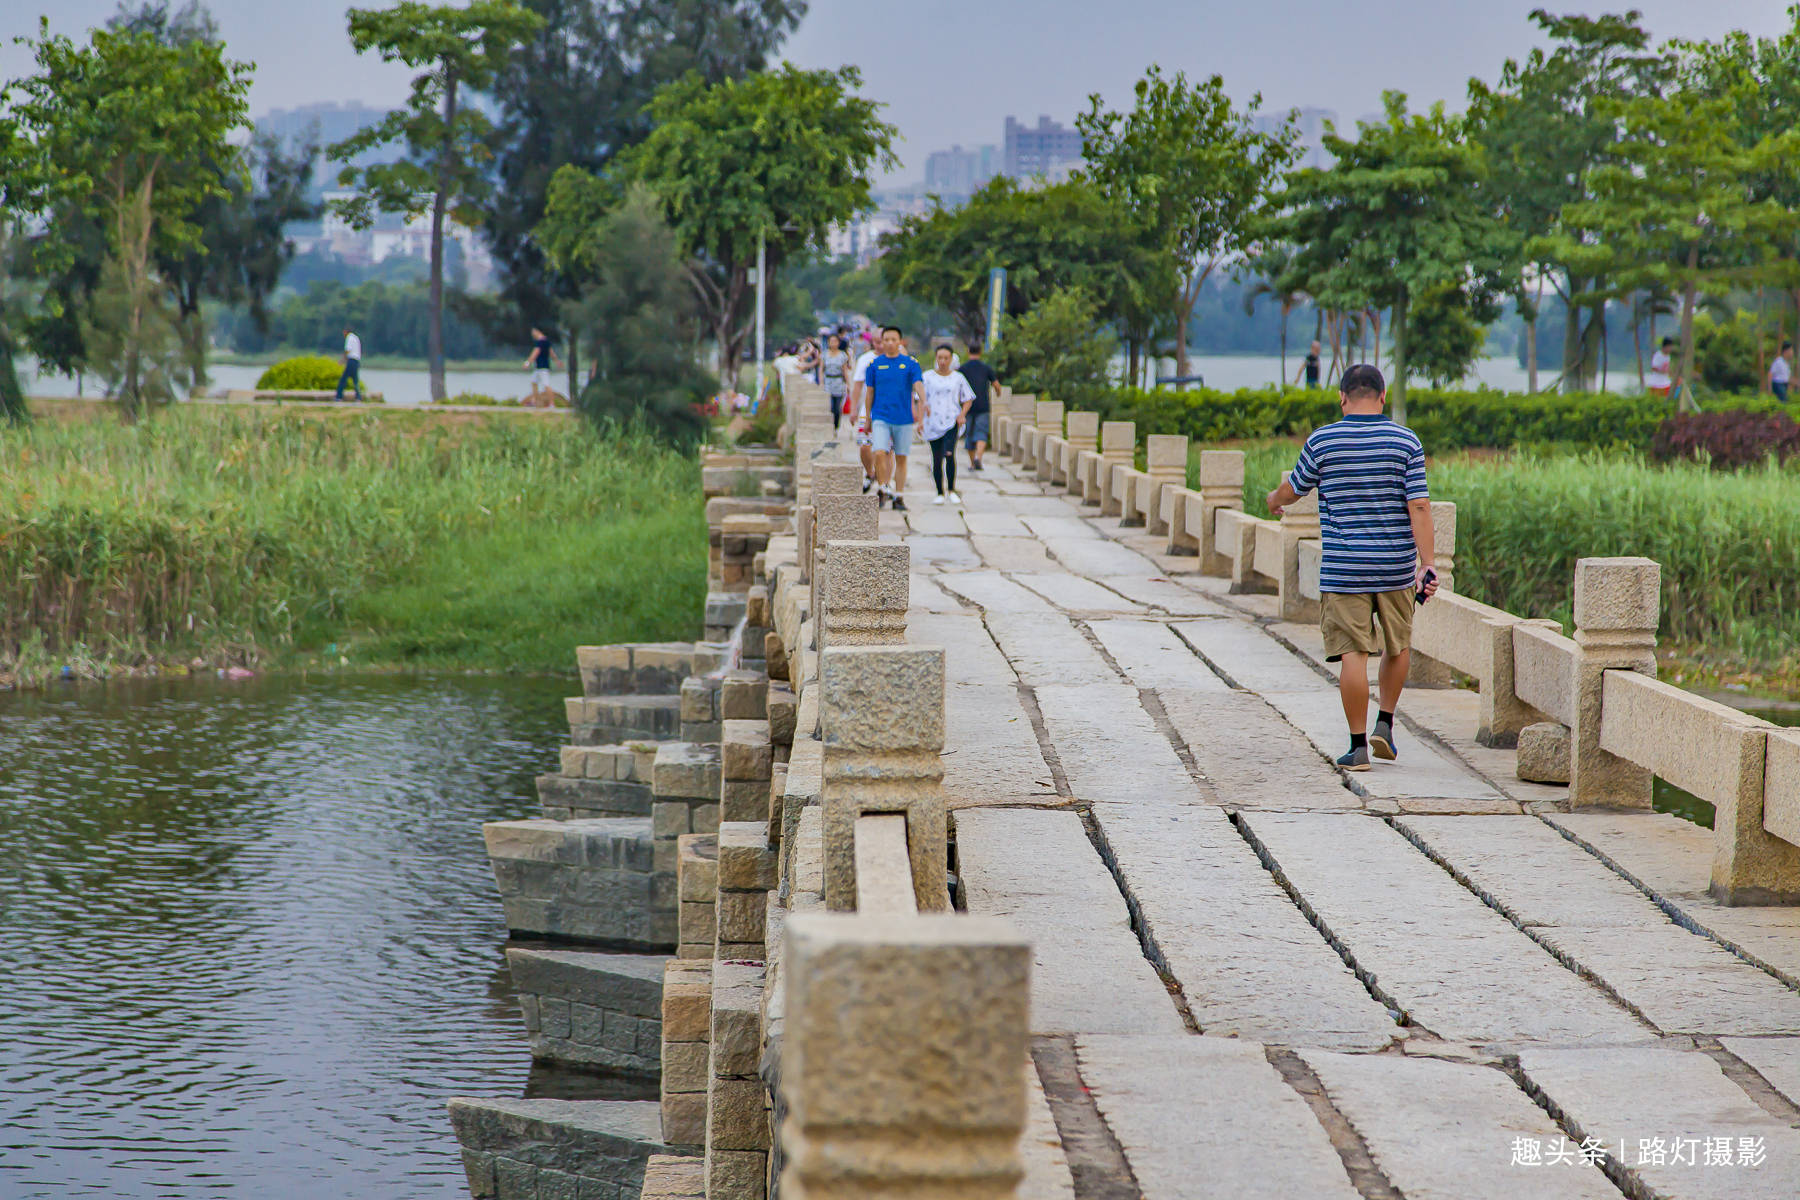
955,499
938,499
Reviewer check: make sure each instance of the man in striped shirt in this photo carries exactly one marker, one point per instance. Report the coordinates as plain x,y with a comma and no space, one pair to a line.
1375,525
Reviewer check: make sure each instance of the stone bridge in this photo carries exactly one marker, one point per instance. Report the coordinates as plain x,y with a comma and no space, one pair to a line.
1008,858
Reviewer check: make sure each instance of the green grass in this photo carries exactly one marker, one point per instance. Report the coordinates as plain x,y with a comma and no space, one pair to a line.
267,536
1728,541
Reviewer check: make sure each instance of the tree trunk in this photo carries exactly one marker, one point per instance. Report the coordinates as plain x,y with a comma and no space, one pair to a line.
1131,362
1637,339
574,365
1689,288
434,334
1605,350
1184,312
1531,346
1285,309
1762,366
1571,355
1397,363
12,396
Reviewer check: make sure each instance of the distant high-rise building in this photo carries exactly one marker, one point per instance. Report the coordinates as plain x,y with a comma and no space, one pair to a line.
1038,151
1311,124
957,173
327,122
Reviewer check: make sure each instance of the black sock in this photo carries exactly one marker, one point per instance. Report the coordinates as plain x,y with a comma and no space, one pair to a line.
1386,718
1358,740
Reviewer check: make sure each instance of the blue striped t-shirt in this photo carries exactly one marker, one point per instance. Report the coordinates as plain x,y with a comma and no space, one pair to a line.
1366,468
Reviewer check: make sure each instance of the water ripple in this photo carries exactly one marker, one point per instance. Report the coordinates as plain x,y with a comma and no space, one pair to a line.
248,935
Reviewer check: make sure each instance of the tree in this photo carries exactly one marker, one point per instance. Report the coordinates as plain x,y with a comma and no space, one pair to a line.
1541,126
1059,350
777,157
129,136
15,304
1059,236
448,142
1192,169
1398,215
574,94
1675,207
1273,268
637,317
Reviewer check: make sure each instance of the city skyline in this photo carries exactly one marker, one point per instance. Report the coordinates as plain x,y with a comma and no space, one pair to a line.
1296,53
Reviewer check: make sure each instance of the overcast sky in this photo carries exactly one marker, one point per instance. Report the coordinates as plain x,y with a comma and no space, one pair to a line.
951,70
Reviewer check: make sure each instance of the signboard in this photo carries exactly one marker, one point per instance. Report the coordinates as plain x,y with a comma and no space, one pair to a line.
996,304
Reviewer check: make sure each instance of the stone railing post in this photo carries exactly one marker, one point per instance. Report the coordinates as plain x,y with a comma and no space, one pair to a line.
838,518
881,713
867,588
1023,410
828,479
1165,462
1426,671
1221,486
1049,422
1118,447
904,1055
1083,433
1617,602
1299,522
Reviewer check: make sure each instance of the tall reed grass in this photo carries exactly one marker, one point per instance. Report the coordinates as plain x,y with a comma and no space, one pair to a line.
1728,541
237,535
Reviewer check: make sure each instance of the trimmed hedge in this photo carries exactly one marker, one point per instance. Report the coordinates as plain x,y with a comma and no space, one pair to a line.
307,373
1728,439
1444,420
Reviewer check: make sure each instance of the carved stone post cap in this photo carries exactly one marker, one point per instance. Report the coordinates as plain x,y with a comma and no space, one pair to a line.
1617,594
1118,436
882,698
1082,425
1222,468
1165,450
836,479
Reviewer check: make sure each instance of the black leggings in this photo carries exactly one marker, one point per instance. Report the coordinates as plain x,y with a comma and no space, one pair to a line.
943,460
837,410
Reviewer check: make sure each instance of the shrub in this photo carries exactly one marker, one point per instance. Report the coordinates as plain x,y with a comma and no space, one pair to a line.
1059,350
1725,354
307,373
1444,420
1730,439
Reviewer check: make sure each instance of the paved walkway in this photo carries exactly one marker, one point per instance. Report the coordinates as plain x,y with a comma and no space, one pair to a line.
1261,977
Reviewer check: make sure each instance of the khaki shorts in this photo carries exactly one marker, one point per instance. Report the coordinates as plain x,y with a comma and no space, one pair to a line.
1348,622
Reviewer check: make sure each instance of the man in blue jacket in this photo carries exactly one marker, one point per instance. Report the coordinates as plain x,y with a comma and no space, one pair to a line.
894,387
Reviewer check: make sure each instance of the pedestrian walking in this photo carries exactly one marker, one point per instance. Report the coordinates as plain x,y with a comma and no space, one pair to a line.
859,418
352,364
1657,381
1781,371
1376,553
985,384
834,367
895,391
543,355
948,399
1309,367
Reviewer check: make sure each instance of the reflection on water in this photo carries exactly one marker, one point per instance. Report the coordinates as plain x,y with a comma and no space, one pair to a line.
1689,807
248,935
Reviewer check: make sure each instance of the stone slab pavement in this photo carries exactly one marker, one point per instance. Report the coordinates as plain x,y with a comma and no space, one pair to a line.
1283,980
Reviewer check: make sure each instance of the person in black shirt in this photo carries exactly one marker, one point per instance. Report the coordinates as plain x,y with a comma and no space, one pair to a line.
1310,368
984,383
542,355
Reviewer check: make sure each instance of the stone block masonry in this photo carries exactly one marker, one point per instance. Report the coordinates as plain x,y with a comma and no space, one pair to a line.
698,886
634,668
589,881
686,1053
607,720
737,1117
594,1010
599,781
533,1149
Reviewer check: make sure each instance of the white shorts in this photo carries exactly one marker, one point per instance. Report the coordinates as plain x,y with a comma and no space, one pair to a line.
540,379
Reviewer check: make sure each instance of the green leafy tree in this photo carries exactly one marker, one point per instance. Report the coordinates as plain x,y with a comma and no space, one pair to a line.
129,134
1541,126
1060,236
573,94
1192,169
780,156
1675,209
461,48
1060,350
16,302
1272,268
1398,215
1446,332
637,319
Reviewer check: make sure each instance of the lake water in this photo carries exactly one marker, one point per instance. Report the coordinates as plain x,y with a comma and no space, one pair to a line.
1226,372
249,939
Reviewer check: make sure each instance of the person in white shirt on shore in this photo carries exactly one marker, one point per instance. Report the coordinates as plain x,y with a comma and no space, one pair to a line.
1781,371
352,365
1657,381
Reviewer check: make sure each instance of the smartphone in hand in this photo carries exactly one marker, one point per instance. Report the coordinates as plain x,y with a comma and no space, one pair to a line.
1420,596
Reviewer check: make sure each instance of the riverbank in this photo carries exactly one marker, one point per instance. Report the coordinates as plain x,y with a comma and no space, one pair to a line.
1728,542
210,538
